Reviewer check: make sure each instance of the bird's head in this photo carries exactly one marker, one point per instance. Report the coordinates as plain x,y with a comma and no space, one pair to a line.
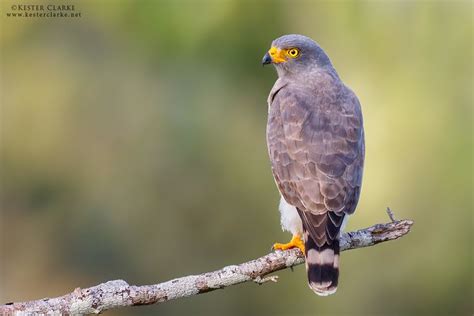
295,54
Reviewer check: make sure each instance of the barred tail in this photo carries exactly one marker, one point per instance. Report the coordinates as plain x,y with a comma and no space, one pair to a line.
322,266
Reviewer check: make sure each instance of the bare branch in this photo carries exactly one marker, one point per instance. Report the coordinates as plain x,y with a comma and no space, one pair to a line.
118,293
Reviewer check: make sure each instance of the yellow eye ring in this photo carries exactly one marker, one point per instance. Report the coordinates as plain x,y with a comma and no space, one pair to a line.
293,52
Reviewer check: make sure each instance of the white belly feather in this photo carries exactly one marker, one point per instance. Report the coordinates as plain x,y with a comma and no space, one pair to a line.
290,220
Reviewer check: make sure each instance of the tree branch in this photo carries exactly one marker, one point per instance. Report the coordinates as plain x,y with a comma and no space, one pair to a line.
118,293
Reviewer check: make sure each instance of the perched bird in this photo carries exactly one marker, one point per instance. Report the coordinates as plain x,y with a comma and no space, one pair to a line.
315,141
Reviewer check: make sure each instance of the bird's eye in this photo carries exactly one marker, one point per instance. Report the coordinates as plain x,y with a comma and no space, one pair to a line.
293,52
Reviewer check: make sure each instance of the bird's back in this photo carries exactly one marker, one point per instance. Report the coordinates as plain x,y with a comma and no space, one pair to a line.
316,147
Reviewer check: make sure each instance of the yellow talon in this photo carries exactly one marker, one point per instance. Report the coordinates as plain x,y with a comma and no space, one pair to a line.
295,242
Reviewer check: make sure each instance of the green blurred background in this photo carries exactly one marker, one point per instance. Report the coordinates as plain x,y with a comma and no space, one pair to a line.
133,147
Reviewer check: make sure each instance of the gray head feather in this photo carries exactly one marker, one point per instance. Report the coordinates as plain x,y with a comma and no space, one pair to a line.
311,58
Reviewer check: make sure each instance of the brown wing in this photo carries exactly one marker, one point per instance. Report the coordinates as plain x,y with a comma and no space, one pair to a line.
316,147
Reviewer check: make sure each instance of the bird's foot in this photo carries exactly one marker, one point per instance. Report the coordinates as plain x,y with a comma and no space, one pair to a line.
295,242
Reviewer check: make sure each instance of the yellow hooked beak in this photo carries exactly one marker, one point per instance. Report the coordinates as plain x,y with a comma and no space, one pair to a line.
274,55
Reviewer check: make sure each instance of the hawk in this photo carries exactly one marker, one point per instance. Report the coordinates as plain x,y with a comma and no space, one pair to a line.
315,139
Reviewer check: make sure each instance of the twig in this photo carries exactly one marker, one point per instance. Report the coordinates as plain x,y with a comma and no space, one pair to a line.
118,293
390,214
